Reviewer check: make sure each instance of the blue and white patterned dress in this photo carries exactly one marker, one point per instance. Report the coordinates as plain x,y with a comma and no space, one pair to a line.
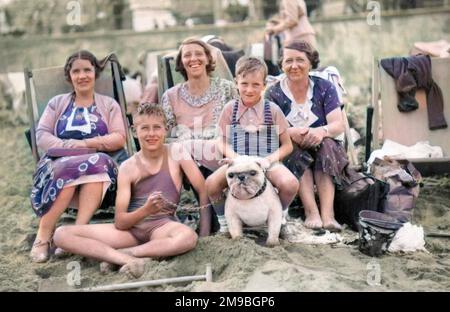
53,174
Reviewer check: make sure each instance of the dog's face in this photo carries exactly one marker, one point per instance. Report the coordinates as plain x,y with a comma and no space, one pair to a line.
245,177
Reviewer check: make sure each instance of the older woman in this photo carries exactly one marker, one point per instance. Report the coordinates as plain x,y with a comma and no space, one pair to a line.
193,107
76,131
312,107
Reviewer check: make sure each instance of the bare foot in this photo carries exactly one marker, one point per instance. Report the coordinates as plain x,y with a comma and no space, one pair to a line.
272,242
134,268
332,226
106,267
60,253
313,222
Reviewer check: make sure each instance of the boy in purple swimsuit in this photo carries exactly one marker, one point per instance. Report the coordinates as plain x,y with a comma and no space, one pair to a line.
149,185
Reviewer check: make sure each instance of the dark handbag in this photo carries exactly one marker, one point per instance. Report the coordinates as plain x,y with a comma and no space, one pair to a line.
404,184
359,192
376,232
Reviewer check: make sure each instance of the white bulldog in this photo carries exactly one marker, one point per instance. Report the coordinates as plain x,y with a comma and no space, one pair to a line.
251,200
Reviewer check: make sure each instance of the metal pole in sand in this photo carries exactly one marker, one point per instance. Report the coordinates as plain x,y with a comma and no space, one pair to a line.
206,277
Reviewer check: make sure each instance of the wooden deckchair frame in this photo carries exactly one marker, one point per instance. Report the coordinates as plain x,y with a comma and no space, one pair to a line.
108,83
408,128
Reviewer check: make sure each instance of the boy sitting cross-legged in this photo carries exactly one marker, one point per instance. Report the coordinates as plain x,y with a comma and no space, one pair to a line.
149,185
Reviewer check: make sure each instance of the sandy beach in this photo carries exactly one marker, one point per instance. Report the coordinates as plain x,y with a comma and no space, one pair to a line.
244,265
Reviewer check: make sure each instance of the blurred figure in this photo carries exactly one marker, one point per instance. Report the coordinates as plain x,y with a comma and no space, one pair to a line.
133,91
292,22
150,94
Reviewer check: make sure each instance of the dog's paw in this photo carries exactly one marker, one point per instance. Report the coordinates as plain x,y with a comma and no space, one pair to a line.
272,242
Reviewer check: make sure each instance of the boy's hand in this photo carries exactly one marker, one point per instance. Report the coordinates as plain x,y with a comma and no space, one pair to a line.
225,161
155,202
265,163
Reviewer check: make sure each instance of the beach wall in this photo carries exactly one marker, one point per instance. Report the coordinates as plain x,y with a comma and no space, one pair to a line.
348,42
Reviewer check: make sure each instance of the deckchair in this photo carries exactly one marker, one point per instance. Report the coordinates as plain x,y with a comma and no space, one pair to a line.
44,83
408,128
168,77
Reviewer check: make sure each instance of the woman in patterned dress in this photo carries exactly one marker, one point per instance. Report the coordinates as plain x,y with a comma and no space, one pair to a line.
311,106
82,122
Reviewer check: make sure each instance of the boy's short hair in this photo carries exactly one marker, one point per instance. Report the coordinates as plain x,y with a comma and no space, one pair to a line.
150,109
249,64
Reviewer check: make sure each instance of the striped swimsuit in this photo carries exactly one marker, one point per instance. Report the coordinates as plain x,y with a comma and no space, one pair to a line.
262,142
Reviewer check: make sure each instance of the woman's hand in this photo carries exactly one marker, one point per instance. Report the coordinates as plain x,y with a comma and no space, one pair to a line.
273,27
270,30
298,135
72,143
314,137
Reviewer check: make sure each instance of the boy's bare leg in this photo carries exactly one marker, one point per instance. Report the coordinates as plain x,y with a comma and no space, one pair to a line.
100,241
171,239
286,183
215,184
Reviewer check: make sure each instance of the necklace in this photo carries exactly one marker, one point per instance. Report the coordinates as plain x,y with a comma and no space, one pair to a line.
198,101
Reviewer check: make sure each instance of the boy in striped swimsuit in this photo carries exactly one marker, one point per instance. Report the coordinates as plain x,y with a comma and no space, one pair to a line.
253,126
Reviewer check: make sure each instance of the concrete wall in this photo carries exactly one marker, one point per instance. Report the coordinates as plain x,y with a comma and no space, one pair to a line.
349,43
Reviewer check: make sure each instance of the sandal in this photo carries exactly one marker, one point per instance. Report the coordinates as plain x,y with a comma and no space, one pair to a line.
40,251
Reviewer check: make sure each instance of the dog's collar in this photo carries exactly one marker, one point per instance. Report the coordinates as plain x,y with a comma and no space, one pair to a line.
261,190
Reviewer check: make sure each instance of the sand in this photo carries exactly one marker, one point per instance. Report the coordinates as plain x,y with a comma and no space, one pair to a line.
244,265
